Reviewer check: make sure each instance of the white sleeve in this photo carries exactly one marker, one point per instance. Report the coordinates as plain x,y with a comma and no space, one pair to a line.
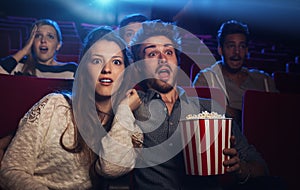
120,146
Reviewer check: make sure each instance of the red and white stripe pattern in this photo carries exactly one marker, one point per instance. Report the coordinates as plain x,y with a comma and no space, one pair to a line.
205,140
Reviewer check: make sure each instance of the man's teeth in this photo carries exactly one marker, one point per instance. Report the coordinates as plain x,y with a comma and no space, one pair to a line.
164,71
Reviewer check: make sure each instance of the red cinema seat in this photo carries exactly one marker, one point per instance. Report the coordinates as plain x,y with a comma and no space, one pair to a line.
271,123
20,93
207,92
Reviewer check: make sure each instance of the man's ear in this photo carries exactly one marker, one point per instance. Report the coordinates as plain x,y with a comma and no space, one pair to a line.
220,51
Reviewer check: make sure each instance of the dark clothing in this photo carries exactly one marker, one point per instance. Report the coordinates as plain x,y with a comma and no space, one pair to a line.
169,173
8,65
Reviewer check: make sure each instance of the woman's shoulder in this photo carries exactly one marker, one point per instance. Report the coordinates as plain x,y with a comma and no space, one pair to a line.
59,70
54,99
59,66
47,106
73,64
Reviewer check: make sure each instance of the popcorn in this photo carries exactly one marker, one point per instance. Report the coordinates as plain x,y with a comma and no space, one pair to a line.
205,115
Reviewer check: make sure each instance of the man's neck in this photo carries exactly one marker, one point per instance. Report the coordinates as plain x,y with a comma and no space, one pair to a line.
229,70
238,77
170,98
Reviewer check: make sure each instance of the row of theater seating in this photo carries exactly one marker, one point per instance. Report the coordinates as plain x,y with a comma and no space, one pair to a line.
270,120
198,54
264,55
23,91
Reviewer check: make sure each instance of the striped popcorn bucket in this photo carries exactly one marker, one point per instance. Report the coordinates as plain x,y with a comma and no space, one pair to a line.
204,141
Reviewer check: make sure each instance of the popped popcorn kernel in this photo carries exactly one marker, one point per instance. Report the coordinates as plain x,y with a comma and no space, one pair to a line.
206,115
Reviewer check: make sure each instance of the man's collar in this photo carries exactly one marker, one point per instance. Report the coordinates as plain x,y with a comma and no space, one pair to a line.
154,94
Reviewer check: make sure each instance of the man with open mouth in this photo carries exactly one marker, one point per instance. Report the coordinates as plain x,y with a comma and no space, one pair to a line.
158,162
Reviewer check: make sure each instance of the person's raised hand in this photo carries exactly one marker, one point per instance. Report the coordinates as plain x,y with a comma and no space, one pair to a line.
28,45
132,99
26,50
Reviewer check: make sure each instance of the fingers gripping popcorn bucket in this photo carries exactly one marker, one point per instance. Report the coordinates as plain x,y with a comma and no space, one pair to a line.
205,136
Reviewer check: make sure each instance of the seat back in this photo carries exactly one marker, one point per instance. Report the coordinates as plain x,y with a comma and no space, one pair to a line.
20,93
287,82
207,92
293,67
270,122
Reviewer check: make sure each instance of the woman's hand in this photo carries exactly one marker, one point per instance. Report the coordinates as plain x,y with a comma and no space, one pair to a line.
132,99
28,45
26,50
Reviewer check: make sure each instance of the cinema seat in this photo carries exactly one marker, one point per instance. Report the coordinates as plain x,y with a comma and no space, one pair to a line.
207,92
20,93
271,123
287,82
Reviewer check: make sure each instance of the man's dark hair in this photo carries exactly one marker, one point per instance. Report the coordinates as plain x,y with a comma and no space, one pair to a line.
156,28
136,17
131,18
232,27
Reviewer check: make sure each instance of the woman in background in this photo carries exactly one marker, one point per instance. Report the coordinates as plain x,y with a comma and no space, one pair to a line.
38,56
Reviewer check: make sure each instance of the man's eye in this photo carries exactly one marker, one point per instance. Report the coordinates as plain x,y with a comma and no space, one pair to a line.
129,34
152,54
169,52
243,46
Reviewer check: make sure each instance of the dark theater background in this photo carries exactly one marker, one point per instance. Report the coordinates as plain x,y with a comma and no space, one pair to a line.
275,20
270,120
273,24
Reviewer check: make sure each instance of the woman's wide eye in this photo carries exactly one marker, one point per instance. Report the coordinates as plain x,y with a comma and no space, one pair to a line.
38,36
97,61
51,36
117,62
